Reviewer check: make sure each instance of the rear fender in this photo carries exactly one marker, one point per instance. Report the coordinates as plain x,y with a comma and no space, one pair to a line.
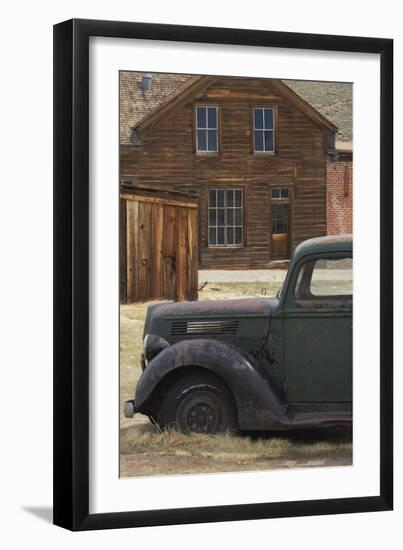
258,404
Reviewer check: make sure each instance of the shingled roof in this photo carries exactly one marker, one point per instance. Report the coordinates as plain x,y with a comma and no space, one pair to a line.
137,105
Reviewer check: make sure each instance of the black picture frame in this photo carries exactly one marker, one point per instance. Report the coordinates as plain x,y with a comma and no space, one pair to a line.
71,274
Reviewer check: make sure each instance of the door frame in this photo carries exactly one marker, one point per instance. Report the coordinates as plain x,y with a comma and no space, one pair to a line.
290,202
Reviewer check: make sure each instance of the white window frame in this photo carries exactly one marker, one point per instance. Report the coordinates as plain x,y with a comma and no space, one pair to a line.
226,225
206,151
280,190
263,130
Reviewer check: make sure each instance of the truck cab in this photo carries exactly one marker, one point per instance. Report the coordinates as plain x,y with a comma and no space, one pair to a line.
276,363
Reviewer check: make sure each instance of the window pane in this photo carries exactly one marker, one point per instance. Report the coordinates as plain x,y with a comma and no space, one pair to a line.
238,197
279,214
280,193
238,235
268,119
268,141
332,277
220,235
230,235
230,216
212,140
258,118
299,287
238,216
212,235
259,141
212,197
201,117
212,117
201,140
220,198
220,217
230,198
212,216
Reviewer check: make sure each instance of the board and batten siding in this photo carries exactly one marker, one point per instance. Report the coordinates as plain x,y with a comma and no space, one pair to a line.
158,247
168,159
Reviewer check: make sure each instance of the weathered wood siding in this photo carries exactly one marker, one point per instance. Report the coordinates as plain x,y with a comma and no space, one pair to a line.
168,158
158,248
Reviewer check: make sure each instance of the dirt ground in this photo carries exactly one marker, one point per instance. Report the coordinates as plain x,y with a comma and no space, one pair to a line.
144,451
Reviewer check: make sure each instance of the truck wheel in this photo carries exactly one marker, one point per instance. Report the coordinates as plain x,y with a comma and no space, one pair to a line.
199,404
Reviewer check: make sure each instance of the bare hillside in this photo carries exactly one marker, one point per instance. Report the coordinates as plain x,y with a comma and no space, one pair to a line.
333,99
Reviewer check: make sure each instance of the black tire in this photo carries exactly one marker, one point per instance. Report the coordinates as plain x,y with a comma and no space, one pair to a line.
198,403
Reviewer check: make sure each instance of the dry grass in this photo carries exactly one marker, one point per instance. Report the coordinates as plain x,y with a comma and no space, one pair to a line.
146,451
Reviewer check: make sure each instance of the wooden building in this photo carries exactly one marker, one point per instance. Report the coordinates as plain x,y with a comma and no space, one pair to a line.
253,152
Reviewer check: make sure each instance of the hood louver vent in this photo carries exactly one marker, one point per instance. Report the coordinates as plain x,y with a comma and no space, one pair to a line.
210,328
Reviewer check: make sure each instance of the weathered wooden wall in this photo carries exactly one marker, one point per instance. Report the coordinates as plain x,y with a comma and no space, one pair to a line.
158,248
168,158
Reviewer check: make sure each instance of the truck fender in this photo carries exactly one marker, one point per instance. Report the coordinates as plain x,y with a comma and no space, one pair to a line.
259,406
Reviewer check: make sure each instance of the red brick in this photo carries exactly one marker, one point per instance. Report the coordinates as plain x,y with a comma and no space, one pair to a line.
339,196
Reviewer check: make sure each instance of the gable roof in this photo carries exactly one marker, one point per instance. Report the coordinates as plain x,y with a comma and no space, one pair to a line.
135,104
141,109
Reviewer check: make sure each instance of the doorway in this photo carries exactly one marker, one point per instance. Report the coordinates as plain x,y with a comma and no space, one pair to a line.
280,223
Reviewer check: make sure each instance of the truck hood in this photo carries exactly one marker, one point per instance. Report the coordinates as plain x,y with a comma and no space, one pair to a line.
243,322
243,307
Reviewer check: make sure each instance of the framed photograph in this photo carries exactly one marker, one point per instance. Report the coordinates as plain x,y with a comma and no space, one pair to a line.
219,351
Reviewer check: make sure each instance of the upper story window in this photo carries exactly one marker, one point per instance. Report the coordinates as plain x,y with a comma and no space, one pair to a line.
263,130
225,217
206,129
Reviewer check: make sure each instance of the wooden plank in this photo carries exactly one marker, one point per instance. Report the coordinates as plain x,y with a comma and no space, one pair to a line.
156,252
169,253
234,95
122,252
144,264
157,200
181,254
192,256
132,250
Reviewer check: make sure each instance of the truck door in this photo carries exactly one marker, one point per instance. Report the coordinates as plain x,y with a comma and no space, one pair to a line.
318,330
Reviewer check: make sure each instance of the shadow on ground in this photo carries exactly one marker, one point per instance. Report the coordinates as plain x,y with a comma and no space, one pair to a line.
45,513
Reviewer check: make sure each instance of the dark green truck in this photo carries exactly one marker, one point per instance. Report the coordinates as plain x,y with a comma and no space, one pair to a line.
276,363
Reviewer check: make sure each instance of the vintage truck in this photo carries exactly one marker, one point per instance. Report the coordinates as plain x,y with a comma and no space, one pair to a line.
275,363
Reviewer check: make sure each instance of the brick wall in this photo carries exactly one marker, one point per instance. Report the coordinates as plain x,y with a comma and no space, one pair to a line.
339,196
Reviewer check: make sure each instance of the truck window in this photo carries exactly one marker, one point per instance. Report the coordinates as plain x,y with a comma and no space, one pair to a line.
325,278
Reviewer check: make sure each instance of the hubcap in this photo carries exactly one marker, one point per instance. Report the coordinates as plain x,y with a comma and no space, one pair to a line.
201,412
201,418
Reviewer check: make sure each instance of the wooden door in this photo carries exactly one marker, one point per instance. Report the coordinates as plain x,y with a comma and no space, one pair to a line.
161,260
280,215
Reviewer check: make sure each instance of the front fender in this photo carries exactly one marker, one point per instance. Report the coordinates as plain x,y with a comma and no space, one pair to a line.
258,404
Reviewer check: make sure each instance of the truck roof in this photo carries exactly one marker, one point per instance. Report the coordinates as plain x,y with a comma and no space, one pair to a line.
330,243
